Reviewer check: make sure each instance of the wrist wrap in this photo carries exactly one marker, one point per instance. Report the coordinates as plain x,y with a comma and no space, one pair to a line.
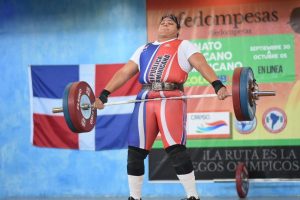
217,85
104,95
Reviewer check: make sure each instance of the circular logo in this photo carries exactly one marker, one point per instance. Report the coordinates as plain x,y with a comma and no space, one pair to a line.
295,19
245,127
274,120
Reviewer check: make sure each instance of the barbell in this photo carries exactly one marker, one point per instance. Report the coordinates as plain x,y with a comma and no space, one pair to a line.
80,115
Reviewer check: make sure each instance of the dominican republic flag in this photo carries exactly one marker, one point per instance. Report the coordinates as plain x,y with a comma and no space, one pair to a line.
47,84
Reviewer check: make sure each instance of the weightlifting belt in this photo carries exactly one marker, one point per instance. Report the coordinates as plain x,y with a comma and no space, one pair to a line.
162,86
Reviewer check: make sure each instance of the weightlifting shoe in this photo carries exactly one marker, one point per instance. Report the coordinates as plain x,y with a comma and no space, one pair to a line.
131,198
191,198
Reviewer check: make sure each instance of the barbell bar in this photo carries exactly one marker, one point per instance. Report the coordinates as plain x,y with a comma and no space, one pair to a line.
80,115
88,106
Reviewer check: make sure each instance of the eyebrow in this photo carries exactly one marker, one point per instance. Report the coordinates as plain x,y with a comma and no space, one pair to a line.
168,20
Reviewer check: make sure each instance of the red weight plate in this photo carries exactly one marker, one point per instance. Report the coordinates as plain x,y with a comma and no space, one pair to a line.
236,94
74,112
242,180
83,120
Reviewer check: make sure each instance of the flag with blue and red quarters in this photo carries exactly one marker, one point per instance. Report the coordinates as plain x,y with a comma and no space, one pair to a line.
47,84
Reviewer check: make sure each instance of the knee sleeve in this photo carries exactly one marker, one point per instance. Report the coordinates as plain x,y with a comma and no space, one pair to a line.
180,159
135,161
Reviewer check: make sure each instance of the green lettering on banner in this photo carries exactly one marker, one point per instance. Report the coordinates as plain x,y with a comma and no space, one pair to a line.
272,57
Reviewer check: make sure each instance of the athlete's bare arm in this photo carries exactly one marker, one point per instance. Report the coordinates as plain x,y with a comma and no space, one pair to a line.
198,61
122,76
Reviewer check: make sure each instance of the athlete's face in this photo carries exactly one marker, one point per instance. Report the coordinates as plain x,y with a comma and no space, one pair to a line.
167,29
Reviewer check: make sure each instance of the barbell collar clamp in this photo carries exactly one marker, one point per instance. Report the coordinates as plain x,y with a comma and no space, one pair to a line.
83,107
57,110
264,93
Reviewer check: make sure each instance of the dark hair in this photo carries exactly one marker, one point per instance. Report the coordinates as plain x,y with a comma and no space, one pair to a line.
172,17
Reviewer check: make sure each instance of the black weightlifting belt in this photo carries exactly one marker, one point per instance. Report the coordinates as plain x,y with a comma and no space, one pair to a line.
162,86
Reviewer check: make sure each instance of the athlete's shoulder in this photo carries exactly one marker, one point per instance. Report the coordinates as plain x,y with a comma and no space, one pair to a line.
187,44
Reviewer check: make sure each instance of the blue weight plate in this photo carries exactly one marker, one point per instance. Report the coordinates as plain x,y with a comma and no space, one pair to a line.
66,108
248,110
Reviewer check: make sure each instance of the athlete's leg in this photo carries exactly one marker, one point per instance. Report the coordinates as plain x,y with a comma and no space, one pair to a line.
172,122
184,168
142,132
136,170
143,127
171,115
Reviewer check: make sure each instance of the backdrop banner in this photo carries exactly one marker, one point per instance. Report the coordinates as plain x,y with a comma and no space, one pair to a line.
263,35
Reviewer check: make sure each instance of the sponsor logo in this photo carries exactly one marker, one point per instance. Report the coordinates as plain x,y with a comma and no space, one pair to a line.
145,47
200,18
274,120
208,125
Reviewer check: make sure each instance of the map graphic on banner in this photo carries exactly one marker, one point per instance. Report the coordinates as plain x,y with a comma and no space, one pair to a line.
264,36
